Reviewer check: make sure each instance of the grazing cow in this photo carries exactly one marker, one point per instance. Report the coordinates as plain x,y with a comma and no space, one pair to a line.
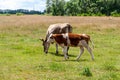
73,40
56,29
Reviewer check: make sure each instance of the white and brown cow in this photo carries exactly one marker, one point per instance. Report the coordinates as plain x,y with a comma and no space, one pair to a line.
73,40
58,28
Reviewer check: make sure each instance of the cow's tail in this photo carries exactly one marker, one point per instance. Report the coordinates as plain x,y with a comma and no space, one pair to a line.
92,43
69,28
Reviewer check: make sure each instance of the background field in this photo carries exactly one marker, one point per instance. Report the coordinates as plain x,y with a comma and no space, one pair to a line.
22,56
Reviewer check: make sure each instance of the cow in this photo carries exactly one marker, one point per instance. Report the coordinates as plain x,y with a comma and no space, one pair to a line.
58,28
72,40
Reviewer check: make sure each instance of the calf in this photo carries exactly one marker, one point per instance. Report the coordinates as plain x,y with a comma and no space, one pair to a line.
74,40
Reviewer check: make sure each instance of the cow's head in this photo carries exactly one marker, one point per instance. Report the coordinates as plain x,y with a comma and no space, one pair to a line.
45,45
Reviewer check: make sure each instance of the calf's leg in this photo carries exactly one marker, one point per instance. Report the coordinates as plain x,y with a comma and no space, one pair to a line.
65,52
56,48
81,52
90,51
84,43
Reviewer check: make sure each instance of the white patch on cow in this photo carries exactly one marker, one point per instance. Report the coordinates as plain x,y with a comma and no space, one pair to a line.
64,36
68,40
84,34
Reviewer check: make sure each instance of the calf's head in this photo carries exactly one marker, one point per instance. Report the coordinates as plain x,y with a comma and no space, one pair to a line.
45,45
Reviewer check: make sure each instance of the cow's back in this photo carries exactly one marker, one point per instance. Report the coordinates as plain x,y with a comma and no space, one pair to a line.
59,28
66,28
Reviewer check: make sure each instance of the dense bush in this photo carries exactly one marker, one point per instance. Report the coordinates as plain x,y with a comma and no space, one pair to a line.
83,7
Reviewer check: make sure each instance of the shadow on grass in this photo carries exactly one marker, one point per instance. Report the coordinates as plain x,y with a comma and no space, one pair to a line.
70,56
73,60
61,54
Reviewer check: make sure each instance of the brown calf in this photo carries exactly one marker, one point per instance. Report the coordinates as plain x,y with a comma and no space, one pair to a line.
74,40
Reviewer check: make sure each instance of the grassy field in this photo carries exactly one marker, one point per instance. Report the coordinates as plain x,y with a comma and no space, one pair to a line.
22,56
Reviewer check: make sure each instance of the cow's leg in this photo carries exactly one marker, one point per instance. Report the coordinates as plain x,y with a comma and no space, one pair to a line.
56,48
81,52
84,43
65,52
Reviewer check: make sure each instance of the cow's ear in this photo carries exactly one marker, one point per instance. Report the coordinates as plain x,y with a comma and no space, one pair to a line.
41,39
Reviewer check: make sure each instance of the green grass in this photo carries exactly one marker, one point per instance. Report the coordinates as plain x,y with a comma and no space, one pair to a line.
22,56
87,72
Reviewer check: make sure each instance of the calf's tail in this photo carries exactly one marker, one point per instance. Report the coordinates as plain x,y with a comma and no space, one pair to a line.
92,43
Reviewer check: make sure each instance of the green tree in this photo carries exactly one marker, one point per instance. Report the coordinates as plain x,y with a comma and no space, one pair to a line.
48,6
86,7
71,8
57,7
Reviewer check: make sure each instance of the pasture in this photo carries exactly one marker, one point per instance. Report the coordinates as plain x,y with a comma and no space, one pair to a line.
22,56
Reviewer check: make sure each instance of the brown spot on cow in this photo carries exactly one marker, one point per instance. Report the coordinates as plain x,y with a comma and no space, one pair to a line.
60,40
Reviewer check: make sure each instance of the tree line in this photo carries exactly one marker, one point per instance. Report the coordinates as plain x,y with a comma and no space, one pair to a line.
83,7
74,8
20,11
